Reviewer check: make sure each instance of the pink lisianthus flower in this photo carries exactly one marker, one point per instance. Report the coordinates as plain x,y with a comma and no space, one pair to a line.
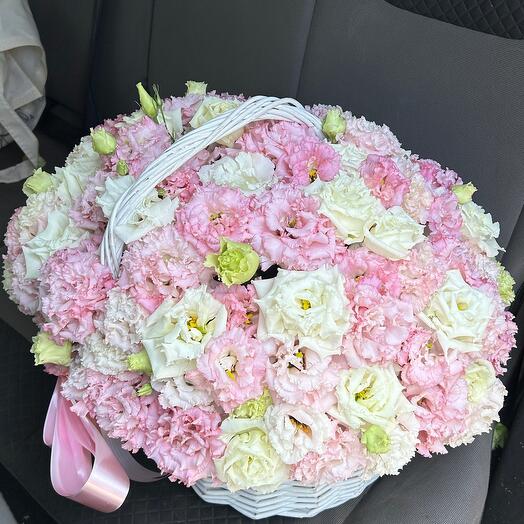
138,144
300,376
312,159
188,106
185,442
288,230
86,213
439,394
212,213
73,290
436,176
444,221
342,457
384,179
499,339
234,365
160,265
242,311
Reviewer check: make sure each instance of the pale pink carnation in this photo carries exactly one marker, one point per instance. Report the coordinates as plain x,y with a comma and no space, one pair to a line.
300,376
436,176
343,457
234,365
417,201
374,139
85,212
185,443
382,176
499,339
212,213
160,265
138,144
74,286
444,221
242,311
21,290
287,230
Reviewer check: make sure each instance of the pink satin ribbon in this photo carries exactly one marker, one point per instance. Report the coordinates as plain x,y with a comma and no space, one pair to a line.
101,484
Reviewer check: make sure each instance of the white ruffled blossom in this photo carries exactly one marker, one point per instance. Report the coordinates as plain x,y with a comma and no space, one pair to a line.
59,234
294,431
348,203
351,157
459,314
249,460
249,172
309,305
111,191
121,321
95,354
155,211
177,332
393,234
370,394
478,226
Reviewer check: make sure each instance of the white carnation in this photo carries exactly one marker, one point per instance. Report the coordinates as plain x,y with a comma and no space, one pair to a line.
351,157
348,203
249,172
310,305
294,431
97,355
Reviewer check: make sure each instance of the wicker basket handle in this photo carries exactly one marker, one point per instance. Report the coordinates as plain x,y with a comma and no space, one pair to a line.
254,109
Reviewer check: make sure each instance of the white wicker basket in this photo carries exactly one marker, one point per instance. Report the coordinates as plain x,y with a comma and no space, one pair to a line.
292,499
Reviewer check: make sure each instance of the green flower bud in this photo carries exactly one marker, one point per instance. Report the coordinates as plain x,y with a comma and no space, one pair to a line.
236,263
144,390
140,363
121,168
46,351
104,143
505,282
334,124
375,439
148,104
500,436
196,88
464,192
38,182
253,408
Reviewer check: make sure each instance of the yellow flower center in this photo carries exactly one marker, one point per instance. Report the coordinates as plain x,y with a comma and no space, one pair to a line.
462,306
305,304
300,426
249,316
192,323
429,345
214,216
292,222
312,174
364,394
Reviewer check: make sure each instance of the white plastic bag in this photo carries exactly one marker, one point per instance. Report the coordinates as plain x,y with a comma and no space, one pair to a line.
23,73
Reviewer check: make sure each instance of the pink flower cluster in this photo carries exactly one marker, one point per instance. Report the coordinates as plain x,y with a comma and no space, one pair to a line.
298,348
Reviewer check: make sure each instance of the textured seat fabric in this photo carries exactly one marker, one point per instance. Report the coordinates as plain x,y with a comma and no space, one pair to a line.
499,17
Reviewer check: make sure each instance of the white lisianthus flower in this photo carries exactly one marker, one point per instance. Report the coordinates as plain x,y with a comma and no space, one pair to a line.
249,461
351,157
400,449
180,392
59,234
372,395
172,120
155,211
310,305
179,331
294,431
478,226
486,397
459,314
111,191
249,172
95,354
211,107
393,234
348,203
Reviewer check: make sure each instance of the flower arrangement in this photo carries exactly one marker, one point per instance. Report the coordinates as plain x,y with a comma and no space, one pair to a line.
288,307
